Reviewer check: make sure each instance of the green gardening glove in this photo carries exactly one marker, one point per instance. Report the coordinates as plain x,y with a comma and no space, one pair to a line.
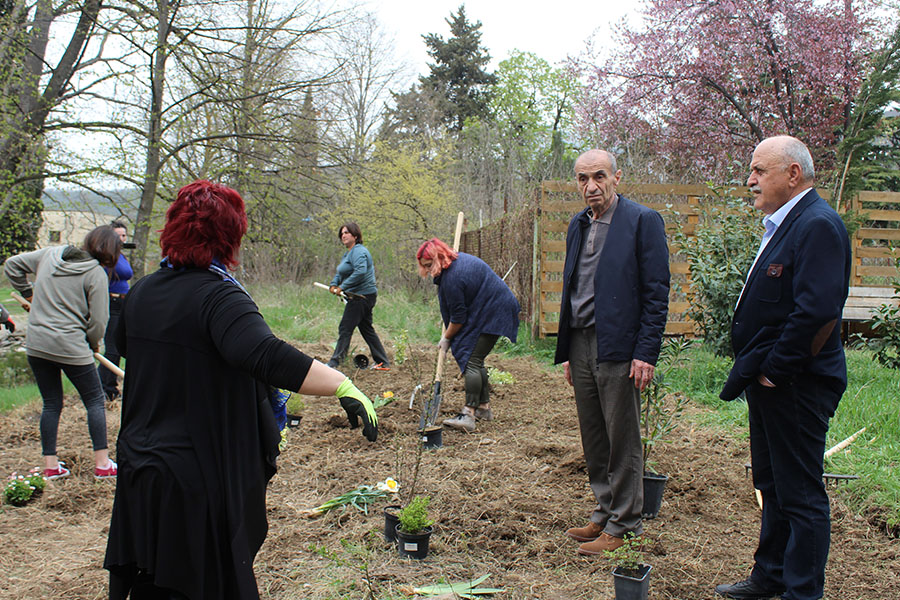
358,406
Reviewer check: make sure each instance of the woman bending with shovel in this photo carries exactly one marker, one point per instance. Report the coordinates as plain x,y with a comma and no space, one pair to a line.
477,307
198,440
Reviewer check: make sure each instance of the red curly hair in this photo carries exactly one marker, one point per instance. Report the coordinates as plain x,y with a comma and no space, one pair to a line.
439,253
206,222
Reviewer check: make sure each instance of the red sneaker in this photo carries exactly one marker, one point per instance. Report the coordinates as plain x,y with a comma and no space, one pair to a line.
111,470
380,367
58,473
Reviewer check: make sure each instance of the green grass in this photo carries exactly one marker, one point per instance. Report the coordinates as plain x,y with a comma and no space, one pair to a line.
305,314
871,401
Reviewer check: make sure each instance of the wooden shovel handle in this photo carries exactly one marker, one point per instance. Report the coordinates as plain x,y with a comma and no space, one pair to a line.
457,236
25,303
109,364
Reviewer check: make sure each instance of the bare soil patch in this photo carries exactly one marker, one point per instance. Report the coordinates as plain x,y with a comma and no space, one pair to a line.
502,499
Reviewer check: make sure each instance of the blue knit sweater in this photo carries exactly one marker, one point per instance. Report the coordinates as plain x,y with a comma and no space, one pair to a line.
469,292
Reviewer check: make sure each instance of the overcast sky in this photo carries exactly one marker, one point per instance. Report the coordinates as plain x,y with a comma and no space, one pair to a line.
551,29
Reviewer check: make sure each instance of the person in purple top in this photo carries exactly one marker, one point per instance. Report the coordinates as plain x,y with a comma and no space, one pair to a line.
118,287
477,307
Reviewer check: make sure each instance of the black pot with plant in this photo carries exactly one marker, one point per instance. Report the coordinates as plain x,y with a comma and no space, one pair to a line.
414,529
631,577
391,520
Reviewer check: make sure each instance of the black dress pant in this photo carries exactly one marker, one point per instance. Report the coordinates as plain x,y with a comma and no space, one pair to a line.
108,379
358,314
788,424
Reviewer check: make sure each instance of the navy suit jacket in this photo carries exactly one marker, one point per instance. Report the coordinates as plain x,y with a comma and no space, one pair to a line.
788,320
631,285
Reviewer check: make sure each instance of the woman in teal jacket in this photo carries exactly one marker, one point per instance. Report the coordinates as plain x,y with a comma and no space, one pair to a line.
355,278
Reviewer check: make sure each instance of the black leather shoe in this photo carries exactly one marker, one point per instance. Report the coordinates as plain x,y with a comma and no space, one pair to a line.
746,590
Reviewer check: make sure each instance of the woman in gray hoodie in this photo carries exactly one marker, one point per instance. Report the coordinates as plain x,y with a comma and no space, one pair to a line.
69,298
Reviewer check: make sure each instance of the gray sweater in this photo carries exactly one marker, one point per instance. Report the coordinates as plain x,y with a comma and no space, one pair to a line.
70,304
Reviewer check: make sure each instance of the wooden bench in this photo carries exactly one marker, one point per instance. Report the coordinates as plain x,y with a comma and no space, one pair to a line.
863,302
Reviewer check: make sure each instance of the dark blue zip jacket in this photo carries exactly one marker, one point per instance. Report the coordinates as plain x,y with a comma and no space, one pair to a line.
631,285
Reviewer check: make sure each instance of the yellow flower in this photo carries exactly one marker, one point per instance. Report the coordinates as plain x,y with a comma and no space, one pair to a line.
389,485
388,394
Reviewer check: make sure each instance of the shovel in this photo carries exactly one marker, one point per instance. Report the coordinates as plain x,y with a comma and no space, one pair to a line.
431,407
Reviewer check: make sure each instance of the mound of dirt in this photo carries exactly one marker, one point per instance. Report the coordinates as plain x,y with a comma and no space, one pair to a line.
501,497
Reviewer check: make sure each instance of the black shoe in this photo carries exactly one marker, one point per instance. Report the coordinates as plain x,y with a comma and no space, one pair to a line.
746,590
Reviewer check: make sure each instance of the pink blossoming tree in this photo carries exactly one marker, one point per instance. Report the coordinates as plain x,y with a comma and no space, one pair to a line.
703,81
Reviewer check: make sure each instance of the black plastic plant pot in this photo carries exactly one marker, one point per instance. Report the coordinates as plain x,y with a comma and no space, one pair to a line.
432,437
413,545
654,486
632,586
361,361
391,520
294,420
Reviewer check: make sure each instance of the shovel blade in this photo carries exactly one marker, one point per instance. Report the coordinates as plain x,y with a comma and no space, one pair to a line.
434,406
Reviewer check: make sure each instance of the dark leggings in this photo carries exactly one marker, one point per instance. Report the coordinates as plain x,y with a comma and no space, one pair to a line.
47,373
476,375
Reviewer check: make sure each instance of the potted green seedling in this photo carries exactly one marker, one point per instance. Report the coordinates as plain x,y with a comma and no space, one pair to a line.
658,419
414,529
631,577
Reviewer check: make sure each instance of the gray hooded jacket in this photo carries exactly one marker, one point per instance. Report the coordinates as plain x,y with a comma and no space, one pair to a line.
70,303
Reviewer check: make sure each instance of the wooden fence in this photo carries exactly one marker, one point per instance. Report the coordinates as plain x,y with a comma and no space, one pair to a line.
680,205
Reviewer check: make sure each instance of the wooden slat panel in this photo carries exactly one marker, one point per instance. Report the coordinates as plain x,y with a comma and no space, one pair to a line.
551,286
550,307
550,328
626,188
559,186
553,245
873,252
554,226
869,292
882,215
856,314
554,266
874,233
893,197
570,207
872,271
680,268
867,302
680,328
679,307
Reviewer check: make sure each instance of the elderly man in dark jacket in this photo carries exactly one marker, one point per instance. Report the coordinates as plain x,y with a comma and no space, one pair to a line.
612,318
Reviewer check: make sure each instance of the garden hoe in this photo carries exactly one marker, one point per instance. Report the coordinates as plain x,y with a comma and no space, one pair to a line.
432,406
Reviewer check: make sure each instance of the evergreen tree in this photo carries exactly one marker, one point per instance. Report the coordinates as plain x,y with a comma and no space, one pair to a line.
869,154
458,74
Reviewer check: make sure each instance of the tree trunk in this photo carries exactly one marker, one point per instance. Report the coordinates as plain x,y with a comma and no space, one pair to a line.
154,140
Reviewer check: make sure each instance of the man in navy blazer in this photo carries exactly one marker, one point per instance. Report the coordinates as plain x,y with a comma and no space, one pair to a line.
612,318
790,361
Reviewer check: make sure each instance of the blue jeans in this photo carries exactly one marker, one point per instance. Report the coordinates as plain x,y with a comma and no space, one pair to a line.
48,375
